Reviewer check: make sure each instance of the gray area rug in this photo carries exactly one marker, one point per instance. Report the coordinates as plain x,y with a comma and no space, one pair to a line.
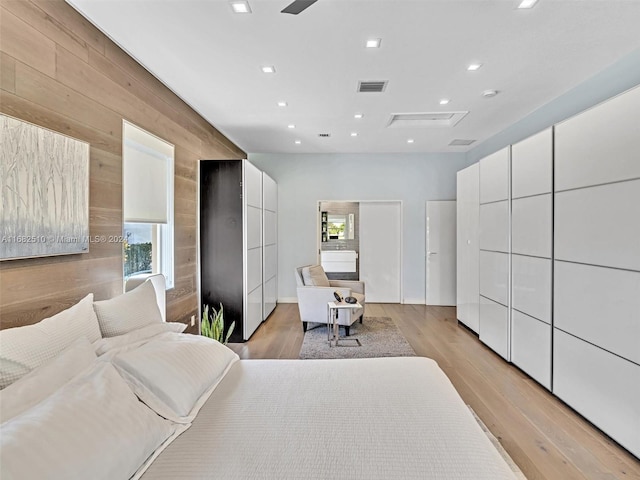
378,336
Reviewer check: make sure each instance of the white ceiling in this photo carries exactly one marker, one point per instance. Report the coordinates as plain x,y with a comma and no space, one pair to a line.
211,58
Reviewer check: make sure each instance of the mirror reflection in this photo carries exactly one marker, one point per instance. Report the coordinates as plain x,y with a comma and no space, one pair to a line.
340,227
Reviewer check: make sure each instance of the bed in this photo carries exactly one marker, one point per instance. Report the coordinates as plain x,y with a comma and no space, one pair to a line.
179,406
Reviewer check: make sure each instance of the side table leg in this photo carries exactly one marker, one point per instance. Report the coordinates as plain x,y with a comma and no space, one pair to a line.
329,319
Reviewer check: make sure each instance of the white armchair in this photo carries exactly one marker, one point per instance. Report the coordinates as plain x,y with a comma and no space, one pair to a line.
315,290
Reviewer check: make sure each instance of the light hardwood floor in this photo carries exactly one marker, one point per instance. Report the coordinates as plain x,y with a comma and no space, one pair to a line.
545,437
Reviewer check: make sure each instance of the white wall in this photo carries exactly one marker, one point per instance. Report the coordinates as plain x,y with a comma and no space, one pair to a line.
304,179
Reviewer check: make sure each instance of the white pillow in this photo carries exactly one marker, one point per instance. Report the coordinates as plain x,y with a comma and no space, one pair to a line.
94,428
128,311
134,337
175,373
24,348
45,379
315,276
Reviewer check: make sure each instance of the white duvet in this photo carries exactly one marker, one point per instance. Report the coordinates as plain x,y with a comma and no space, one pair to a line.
392,418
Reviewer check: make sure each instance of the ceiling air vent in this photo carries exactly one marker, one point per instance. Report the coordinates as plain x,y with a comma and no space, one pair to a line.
458,142
324,135
425,119
372,87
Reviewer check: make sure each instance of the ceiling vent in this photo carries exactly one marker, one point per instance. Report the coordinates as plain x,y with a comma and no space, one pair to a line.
372,87
324,135
458,142
425,119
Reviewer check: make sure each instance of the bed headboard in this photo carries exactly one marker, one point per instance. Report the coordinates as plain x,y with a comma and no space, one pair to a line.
159,285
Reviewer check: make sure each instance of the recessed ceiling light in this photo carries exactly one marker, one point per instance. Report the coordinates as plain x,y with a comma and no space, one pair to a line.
282,104
489,93
240,6
268,69
297,142
410,140
358,116
474,66
374,43
354,134
527,3
444,101
291,126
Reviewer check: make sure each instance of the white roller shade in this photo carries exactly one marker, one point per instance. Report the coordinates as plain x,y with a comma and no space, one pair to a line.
147,164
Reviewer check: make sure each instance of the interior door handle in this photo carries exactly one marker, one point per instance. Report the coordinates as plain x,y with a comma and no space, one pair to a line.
432,253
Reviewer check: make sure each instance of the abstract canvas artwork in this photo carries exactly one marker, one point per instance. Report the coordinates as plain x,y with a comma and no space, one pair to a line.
44,177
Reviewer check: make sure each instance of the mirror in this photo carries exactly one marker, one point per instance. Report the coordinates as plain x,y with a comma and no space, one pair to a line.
340,227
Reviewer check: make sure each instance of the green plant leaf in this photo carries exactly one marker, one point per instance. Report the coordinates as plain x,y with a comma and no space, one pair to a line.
230,331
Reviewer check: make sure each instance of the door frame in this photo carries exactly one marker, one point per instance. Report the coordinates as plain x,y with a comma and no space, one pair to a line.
401,239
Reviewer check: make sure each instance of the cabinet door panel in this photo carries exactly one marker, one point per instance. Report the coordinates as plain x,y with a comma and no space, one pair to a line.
270,295
601,386
494,276
531,347
531,165
468,261
494,326
270,261
253,316
254,227
270,227
252,185
494,226
599,305
269,193
531,286
254,269
599,145
531,226
494,177
599,225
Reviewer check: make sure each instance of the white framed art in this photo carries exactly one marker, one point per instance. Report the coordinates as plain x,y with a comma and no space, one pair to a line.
44,177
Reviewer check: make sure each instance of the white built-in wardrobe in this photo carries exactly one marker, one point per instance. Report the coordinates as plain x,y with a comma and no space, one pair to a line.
559,261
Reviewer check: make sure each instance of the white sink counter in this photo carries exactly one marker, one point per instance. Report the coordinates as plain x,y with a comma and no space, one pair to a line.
338,260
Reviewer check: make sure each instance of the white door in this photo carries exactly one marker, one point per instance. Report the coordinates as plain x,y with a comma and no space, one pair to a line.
380,250
441,253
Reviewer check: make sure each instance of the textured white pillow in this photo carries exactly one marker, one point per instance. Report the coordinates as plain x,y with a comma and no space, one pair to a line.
44,380
134,337
128,311
315,276
94,428
175,373
24,348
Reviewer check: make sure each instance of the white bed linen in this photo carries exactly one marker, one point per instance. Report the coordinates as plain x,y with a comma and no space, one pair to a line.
392,418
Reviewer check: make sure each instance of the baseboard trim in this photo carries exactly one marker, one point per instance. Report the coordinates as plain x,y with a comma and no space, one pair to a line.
288,300
413,301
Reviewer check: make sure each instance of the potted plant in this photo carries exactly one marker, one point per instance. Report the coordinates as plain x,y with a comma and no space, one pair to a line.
212,326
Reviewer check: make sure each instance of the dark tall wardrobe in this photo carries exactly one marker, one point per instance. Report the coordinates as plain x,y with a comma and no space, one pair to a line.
233,257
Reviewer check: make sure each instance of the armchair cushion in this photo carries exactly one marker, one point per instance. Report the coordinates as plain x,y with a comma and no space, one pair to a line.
355,285
314,276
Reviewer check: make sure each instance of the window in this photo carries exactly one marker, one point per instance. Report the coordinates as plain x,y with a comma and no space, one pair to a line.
147,184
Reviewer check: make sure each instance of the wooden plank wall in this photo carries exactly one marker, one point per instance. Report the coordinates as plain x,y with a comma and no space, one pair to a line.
60,72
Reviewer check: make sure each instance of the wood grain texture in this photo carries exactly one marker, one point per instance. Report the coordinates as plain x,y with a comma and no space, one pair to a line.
545,437
62,73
